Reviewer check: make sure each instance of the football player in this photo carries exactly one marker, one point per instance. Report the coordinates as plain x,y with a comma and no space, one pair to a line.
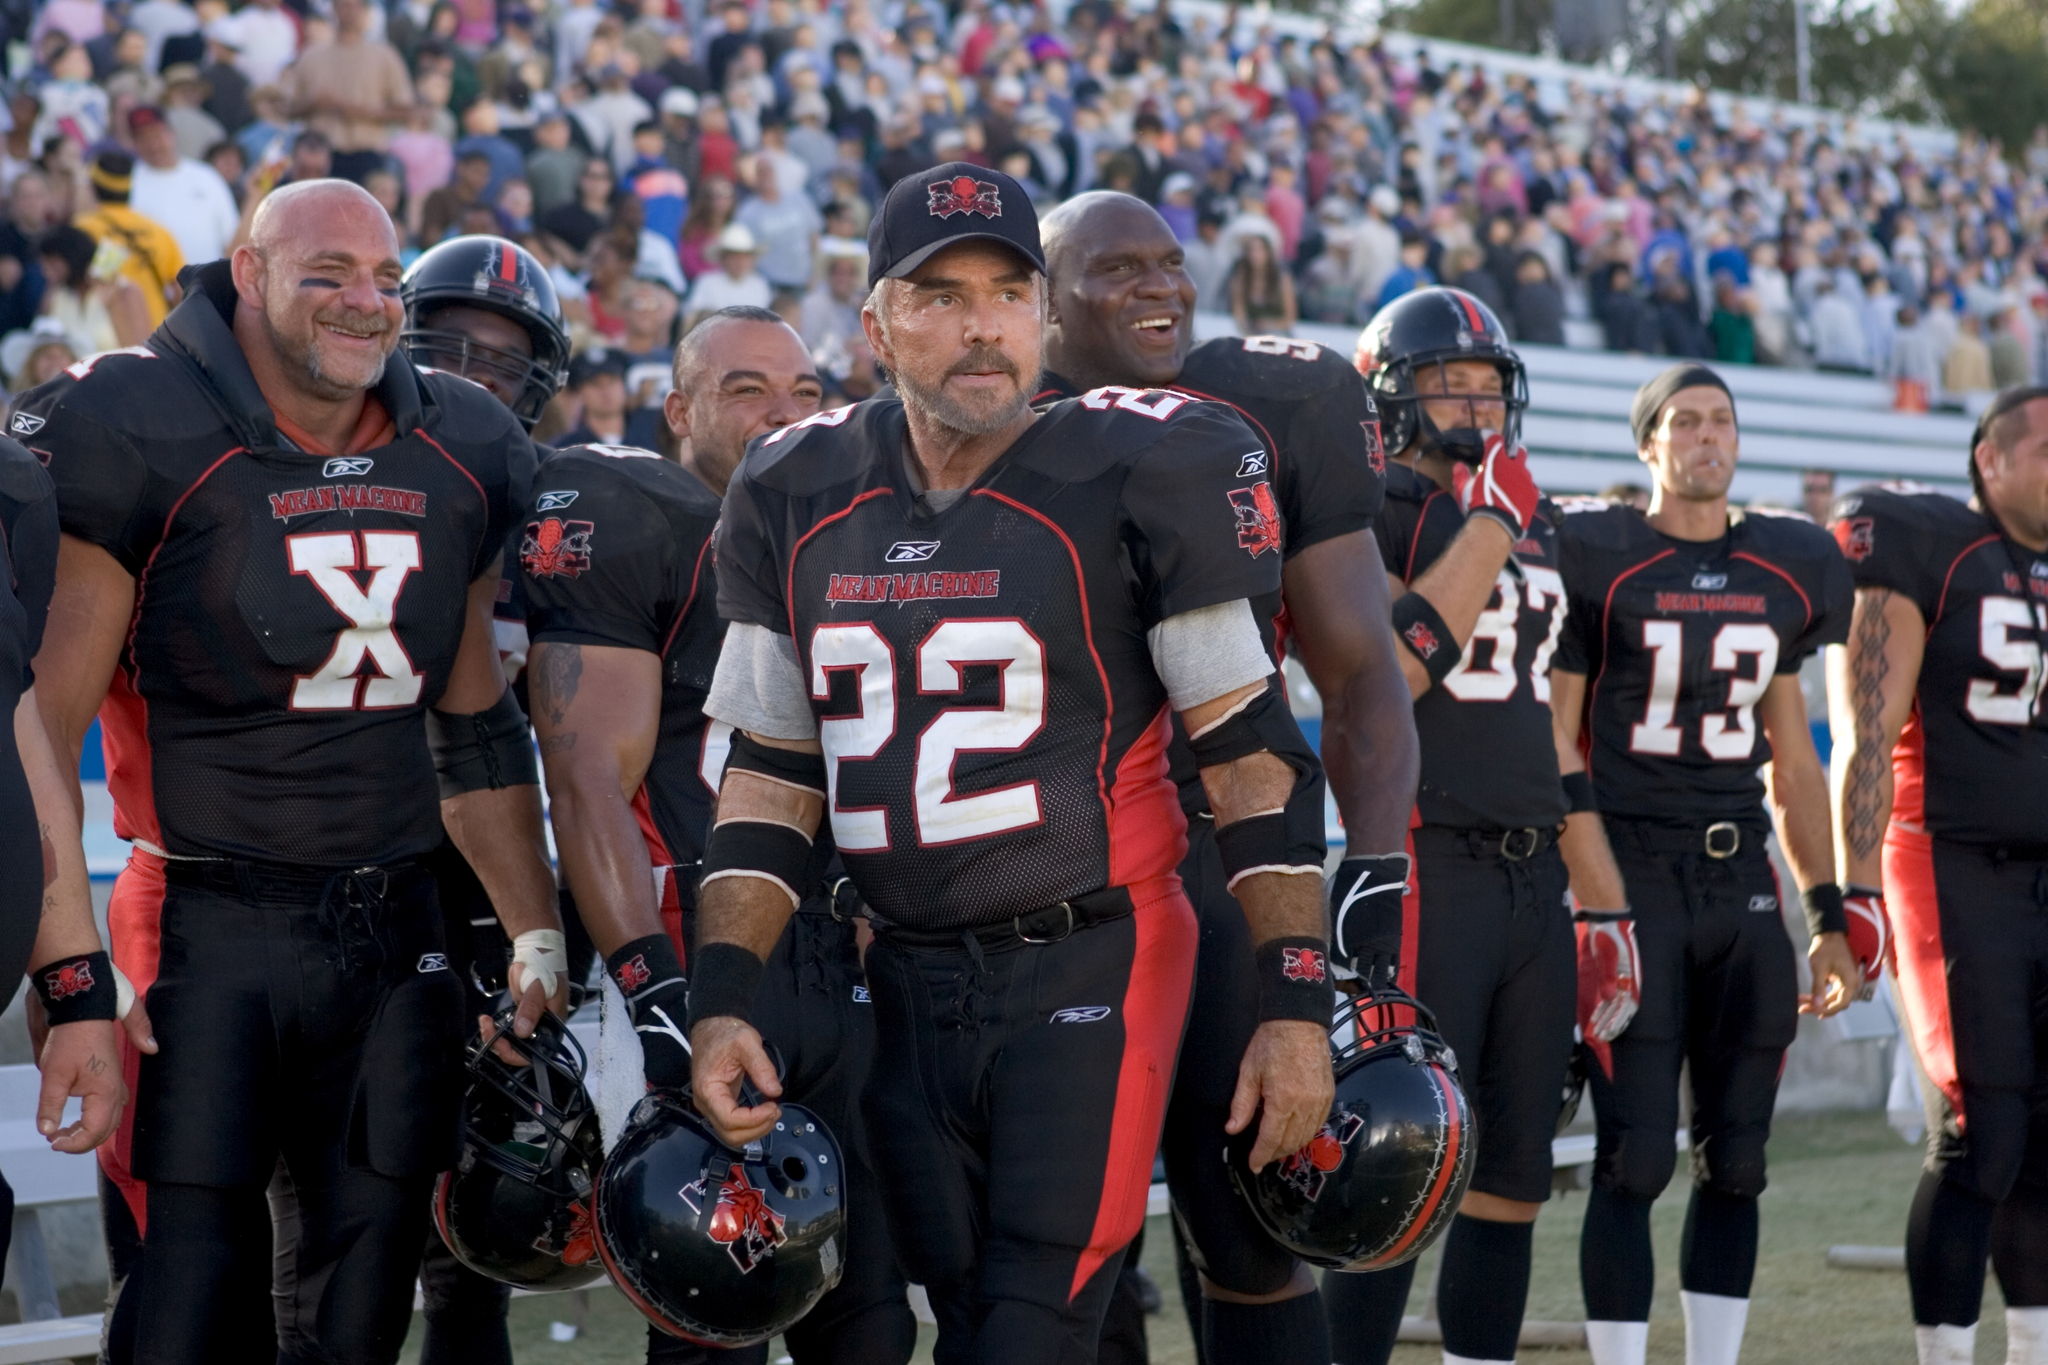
484,308
1941,743
1677,676
962,627
622,601
1122,313
278,560
1470,547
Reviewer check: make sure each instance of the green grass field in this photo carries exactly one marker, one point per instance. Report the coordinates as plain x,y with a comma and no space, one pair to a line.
1839,1178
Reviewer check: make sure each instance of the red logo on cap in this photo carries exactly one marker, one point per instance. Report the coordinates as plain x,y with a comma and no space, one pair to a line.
964,194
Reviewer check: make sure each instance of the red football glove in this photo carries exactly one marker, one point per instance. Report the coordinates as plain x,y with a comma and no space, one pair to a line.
1870,933
1610,987
1501,487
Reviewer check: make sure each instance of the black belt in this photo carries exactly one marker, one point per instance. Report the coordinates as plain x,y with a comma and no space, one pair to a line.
242,874
1720,840
1508,845
1050,925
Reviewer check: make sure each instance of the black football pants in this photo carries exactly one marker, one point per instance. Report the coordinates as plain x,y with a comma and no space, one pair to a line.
310,1019
812,1007
1022,1088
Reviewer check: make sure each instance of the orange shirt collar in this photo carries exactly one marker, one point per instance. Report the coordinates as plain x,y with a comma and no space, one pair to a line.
373,428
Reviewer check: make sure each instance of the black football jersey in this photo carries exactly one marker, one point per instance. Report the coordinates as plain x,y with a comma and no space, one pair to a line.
1679,641
1320,472
1972,763
1488,760
995,735
616,550
295,613
28,556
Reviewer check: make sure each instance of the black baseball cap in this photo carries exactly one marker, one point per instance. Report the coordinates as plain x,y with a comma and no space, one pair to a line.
953,202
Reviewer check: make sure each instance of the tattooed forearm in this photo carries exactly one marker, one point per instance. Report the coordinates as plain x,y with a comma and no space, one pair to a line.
555,680
49,856
1863,794
559,744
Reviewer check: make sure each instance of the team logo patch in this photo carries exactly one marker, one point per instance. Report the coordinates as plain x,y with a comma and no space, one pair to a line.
1763,904
1423,639
1252,466
347,497
1308,1170
749,1230
1081,1014
1375,450
965,194
633,975
1709,582
346,466
554,548
70,980
1303,964
1258,518
2011,580
26,424
557,500
1856,535
573,1245
910,551
433,962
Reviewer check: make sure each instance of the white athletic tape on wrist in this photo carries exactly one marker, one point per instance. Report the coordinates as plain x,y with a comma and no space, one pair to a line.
124,994
545,956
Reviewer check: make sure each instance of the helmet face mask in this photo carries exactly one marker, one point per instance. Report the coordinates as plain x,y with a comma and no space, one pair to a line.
1435,327
1379,1183
499,277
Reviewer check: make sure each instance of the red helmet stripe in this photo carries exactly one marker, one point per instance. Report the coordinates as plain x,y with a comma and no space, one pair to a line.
1471,310
508,266
1446,1173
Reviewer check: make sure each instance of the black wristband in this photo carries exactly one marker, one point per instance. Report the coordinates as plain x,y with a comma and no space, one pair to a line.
649,974
726,978
643,965
1824,912
1603,916
1578,792
1423,630
1294,980
75,989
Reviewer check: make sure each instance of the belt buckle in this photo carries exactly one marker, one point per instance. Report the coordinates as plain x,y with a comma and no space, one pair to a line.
1734,833
1018,925
833,889
1533,837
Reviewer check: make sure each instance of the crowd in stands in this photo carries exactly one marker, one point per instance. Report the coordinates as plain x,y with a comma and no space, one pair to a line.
669,157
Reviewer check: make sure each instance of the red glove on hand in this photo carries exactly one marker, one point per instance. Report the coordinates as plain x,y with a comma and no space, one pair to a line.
1501,487
1610,988
1870,934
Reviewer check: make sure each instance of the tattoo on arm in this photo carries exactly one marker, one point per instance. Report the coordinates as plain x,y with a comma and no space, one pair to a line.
1863,815
556,680
559,744
49,855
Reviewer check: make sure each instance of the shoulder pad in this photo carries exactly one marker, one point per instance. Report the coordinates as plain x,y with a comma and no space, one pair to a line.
825,449
1265,367
1116,425
1580,504
646,472
1786,532
22,476
1891,519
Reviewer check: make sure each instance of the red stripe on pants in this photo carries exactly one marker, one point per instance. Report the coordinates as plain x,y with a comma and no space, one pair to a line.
135,924
1922,966
1154,1013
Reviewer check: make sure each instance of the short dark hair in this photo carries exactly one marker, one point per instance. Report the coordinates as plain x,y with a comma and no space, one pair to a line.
2003,424
75,247
740,312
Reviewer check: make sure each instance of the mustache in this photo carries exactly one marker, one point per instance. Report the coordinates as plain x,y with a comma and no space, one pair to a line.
982,360
348,317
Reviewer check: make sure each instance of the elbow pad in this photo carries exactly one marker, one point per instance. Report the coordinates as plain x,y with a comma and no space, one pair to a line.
1287,840
484,751
786,767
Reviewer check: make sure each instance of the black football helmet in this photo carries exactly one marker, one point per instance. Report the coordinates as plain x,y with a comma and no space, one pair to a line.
716,1246
1573,1093
500,277
517,1206
1381,1180
1431,327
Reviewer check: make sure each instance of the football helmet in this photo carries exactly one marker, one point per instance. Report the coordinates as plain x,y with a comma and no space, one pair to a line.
716,1246
517,1206
1431,327
499,277
1381,1180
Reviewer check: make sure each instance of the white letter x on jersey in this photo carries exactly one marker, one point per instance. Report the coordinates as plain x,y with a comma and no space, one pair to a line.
327,560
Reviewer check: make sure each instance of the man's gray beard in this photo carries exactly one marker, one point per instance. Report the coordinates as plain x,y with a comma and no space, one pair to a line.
307,359
941,409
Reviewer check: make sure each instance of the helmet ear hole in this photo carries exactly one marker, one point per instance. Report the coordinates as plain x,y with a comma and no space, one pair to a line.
794,1169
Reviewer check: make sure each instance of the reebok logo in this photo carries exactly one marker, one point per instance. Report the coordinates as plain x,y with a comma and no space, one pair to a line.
1709,582
910,551
1081,1014
26,424
1763,904
433,962
557,500
347,466
1252,466
860,995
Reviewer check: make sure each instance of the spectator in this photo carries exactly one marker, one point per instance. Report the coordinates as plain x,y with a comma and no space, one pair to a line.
1376,244
1177,205
1967,369
1464,269
481,133
157,20
709,214
228,90
37,354
660,187
185,94
597,382
444,207
570,227
1627,322
425,158
352,90
137,248
73,106
734,283
187,197
1817,494
1208,261
611,114
1731,327
1538,308
21,271
1144,160
2010,365
610,285
1916,364
785,225
264,39
311,158
1839,340
553,166
1261,293
649,344
831,311
104,307
1770,304
1411,273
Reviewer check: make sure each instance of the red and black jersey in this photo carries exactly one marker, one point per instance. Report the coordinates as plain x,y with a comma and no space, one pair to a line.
1972,763
1679,640
1321,461
616,551
1488,760
295,613
995,734
28,557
